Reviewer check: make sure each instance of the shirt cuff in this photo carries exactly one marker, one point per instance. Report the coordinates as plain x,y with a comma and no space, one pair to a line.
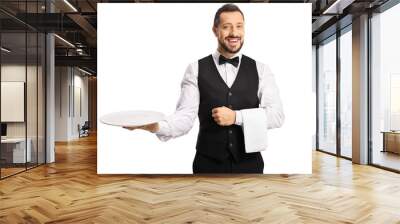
163,131
239,119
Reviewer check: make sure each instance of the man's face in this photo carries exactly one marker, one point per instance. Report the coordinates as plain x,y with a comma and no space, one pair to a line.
230,32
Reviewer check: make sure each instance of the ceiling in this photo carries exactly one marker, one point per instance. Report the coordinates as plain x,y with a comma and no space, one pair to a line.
76,22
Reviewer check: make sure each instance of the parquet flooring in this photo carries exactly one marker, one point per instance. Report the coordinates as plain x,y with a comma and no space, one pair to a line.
70,191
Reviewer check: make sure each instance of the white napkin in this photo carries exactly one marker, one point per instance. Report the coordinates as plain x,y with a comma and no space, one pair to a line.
254,129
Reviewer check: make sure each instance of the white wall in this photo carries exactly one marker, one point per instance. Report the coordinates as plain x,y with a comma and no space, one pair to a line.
67,117
80,83
139,79
61,103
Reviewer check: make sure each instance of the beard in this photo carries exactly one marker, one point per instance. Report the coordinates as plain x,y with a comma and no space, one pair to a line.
226,48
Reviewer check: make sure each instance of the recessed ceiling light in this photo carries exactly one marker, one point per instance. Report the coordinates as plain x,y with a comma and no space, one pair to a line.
5,50
84,71
64,40
70,5
338,6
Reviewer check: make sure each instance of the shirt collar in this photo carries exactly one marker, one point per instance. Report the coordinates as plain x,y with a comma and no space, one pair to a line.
216,55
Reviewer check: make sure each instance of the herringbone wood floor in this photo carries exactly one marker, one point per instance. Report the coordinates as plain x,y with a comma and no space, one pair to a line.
70,191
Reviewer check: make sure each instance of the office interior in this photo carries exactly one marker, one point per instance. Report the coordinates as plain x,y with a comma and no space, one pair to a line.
48,115
48,81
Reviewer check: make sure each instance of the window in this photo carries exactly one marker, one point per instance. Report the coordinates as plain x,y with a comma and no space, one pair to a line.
327,96
346,92
385,88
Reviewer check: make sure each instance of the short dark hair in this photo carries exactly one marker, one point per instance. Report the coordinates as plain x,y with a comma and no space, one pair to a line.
226,8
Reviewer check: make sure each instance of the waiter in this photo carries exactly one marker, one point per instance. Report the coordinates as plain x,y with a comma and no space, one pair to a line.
225,90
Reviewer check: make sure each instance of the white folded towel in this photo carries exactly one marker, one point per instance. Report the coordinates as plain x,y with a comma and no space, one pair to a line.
254,129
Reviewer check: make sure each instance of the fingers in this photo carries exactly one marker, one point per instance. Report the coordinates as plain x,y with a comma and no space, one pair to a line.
220,120
216,114
153,127
218,109
215,110
221,115
132,127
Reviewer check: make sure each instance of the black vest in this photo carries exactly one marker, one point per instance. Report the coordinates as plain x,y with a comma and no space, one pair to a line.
218,141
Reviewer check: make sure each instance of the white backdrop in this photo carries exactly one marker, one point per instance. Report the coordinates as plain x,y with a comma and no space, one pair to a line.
143,51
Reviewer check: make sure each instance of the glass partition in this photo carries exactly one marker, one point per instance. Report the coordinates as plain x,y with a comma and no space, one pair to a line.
31,100
22,67
41,107
14,153
327,95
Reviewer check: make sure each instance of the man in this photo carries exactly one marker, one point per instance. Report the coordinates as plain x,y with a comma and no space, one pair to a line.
221,89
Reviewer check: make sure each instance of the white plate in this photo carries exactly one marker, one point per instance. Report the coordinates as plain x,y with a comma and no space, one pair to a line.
132,118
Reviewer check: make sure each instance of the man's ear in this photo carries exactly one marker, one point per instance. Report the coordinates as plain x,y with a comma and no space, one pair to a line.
214,29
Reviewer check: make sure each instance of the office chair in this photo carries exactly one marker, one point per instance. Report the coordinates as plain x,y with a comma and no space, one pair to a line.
84,130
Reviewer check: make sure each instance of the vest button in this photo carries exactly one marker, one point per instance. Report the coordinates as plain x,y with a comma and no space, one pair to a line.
230,144
230,94
230,131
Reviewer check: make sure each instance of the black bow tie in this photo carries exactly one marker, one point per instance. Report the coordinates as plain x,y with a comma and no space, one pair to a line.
234,61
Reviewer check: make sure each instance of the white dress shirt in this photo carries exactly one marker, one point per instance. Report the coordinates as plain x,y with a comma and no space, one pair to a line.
181,121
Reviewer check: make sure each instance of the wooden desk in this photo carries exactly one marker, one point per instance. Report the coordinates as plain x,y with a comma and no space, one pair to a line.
391,141
13,150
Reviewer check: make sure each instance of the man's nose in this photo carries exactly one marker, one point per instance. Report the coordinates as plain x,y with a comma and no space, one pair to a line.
234,32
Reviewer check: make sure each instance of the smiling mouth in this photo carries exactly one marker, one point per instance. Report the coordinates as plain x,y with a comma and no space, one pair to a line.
233,40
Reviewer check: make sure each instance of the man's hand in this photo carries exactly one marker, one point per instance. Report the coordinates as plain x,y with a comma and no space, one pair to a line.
154,127
224,116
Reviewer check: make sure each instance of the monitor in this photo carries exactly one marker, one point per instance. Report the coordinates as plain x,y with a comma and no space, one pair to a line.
3,129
